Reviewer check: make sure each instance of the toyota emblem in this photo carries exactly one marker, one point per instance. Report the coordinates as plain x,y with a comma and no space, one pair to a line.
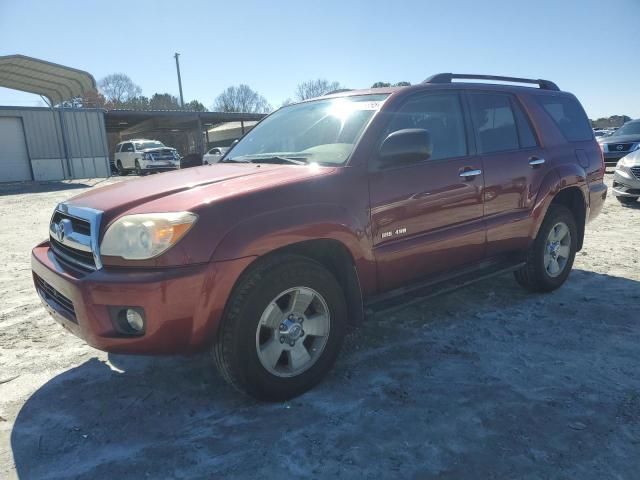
59,230
619,147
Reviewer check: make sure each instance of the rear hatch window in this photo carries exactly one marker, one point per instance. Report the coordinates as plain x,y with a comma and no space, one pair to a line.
569,117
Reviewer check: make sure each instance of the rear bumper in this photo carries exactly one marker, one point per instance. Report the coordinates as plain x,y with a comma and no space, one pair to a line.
182,305
597,196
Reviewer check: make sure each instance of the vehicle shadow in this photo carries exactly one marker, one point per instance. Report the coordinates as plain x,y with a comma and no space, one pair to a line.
489,381
20,188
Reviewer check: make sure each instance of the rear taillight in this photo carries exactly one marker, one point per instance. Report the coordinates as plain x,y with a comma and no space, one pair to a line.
602,165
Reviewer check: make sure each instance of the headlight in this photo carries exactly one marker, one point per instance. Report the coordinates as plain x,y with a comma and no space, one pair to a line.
147,235
603,146
146,156
636,147
625,161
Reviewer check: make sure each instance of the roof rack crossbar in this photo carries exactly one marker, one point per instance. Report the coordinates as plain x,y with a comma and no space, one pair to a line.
448,77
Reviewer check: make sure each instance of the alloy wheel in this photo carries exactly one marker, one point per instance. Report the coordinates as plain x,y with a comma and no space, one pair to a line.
292,332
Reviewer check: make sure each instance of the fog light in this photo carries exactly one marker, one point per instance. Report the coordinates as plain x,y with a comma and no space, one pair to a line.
135,320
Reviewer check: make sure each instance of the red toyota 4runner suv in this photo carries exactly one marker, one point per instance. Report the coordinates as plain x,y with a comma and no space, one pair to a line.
326,208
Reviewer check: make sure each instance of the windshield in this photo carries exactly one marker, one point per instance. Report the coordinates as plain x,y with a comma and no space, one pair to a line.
145,145
322,131
631,128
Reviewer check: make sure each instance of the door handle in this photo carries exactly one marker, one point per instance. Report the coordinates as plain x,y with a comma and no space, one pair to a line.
470,173
533,161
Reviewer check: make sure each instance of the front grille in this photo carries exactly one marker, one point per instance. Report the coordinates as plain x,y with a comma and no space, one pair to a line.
162,155
615,147
79,225
636,172
76,259
55,299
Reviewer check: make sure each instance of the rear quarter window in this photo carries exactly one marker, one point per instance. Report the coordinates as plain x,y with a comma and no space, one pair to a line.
568,116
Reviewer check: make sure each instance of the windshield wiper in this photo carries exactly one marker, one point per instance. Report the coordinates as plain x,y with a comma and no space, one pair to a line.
279,159
233,160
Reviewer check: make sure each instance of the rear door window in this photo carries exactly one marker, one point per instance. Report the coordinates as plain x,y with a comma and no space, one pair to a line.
525,132
127,147
439,114
494,122
568,116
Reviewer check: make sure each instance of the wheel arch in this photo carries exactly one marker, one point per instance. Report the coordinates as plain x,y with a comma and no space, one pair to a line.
565,186
335,257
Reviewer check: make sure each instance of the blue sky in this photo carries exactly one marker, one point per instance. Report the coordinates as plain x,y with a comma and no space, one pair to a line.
591,48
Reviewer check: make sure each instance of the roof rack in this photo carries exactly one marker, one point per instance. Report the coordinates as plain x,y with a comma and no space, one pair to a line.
448,77
340,90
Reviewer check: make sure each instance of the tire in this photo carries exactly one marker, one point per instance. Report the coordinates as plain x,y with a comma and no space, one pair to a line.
627,200
535,275
250,313
139,170
121,170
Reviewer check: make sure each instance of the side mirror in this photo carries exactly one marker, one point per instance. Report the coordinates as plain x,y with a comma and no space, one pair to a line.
406,146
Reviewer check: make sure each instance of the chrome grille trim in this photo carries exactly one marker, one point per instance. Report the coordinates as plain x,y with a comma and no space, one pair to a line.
81,232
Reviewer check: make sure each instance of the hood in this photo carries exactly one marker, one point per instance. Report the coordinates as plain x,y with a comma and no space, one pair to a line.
632,160
157,149
619,139
189,188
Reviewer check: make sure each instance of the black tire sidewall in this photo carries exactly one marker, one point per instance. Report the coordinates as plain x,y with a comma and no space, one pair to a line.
272,283
557,213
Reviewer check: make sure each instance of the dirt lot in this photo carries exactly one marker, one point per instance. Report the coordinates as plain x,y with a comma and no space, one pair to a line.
486,382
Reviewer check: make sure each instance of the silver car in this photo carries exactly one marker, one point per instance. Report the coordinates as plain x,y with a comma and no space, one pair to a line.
626,179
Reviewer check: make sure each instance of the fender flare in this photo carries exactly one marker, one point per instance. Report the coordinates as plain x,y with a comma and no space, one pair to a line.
556,180
273,230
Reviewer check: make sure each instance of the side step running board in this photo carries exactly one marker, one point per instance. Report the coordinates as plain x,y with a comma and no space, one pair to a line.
404,296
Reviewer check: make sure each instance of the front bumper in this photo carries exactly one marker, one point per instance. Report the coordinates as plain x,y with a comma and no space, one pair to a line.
159,167
613,157
182,305
625,183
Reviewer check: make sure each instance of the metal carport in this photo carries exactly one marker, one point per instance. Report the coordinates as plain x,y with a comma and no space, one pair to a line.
50,143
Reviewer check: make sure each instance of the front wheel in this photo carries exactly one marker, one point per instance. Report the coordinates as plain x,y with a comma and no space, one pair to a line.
282,329
139,170
550,259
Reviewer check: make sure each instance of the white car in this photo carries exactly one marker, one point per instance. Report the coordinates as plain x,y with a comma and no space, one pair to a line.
214,155
143,156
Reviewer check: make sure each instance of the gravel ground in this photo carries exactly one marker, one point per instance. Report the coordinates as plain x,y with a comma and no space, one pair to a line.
486,382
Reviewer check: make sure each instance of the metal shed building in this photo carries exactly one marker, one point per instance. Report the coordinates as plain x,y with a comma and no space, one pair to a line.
52,144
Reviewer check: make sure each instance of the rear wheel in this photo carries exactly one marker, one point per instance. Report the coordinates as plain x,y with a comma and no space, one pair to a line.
282,329
550,259
627,200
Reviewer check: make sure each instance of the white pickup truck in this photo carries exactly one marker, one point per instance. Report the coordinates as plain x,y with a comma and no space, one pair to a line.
143,156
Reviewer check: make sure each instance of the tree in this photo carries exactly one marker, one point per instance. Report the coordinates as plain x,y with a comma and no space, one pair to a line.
136,103
241,99
387,84
612,121
93,99
117,88
163,101
195,106
315,88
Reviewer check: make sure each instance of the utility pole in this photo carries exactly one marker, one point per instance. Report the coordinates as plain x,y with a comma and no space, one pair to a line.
179,80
